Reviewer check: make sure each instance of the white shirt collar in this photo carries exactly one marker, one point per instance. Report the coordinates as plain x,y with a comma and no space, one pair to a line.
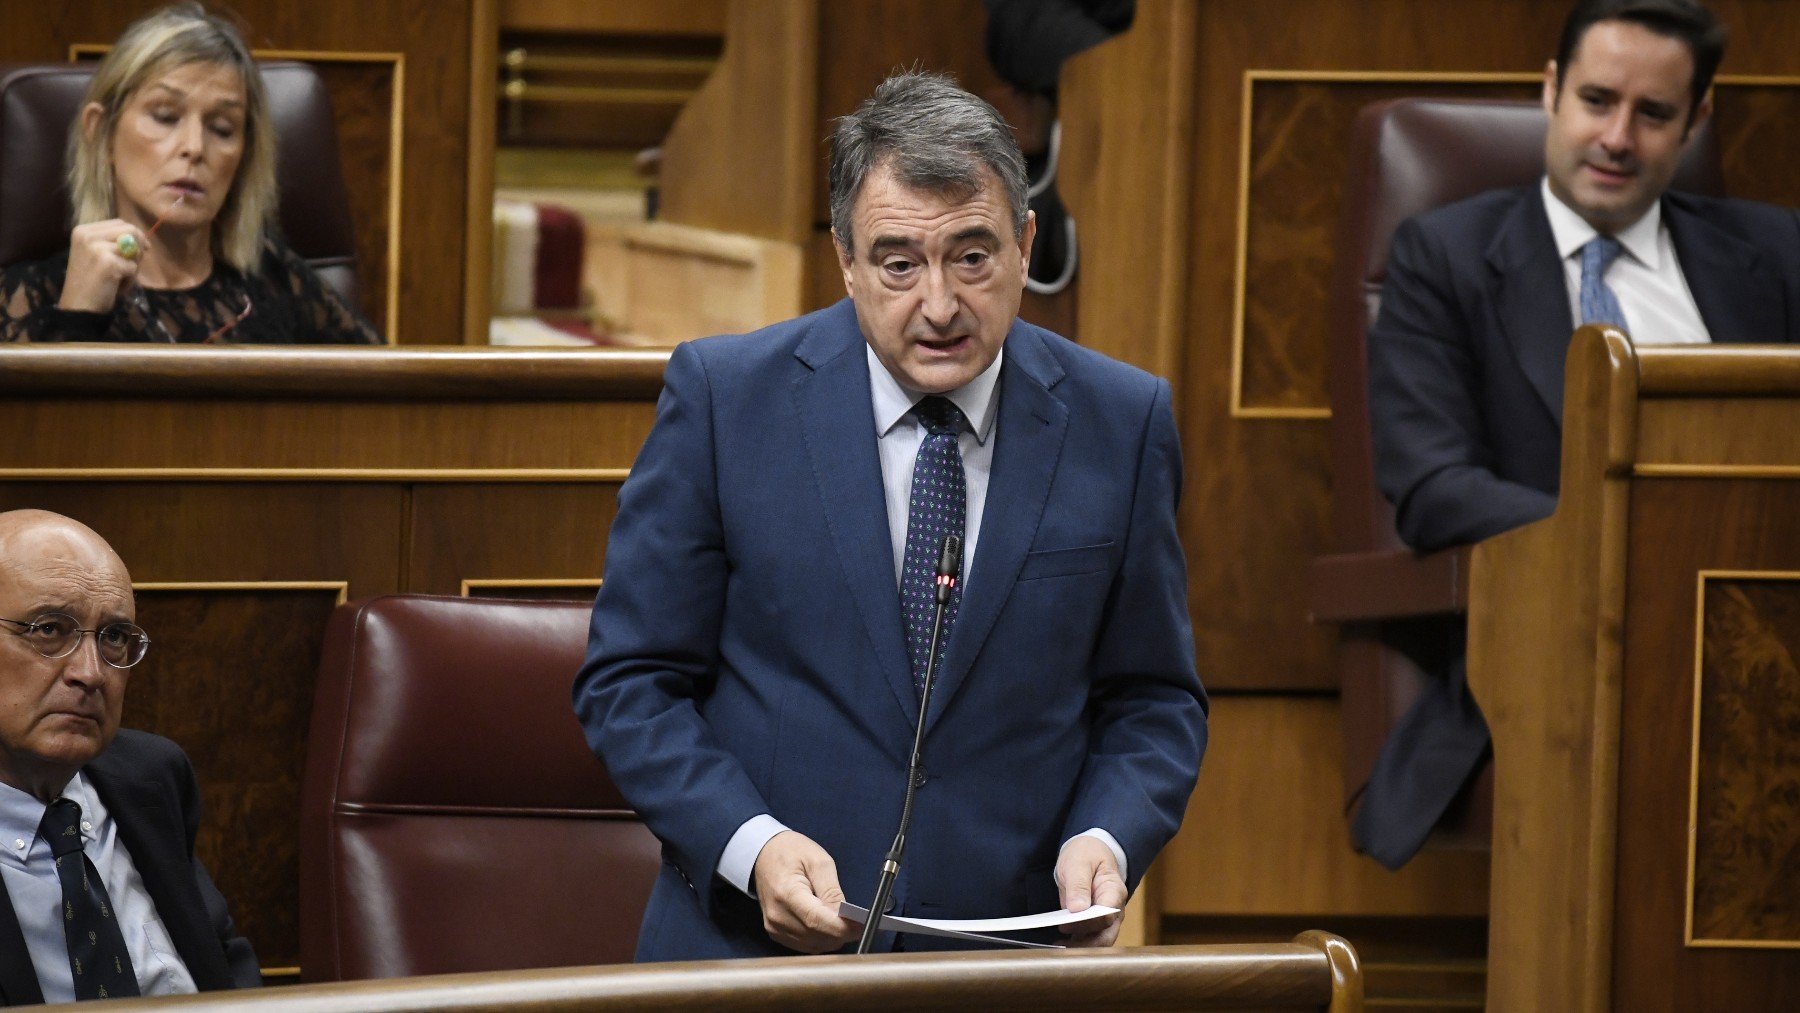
1572,231
975,398
21,814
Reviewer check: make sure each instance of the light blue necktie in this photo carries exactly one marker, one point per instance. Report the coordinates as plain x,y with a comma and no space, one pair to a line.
1598,303
938,505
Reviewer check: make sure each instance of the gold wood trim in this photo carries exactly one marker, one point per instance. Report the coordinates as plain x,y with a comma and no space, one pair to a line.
505,582
342,587
281,972
314,474
1398,76
1241,263
1693,836
1780,471
396,125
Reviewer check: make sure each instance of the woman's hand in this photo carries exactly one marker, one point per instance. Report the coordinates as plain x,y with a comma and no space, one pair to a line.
97,267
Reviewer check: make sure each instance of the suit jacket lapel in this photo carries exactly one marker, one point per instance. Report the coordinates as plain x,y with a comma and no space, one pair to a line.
18,978
1030,430
1532,297
1739,299
834,405
156,837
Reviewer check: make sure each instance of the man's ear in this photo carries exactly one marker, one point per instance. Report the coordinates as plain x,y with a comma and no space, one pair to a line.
1550,87
91,115
1702,114
1026,238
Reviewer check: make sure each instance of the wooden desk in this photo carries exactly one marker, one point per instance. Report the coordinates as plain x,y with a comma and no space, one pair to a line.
1635,657
1317,971
250,490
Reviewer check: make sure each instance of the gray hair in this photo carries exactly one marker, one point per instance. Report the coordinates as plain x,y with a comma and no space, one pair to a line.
934,136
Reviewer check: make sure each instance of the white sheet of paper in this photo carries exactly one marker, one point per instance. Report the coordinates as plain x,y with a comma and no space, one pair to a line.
977,928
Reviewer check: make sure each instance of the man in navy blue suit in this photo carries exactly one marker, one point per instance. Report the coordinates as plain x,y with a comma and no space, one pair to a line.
1481,298
752,678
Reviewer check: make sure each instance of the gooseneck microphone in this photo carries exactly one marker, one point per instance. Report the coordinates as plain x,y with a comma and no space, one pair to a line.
948,568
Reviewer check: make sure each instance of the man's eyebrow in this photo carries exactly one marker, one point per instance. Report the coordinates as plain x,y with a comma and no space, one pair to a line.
882,244
973,232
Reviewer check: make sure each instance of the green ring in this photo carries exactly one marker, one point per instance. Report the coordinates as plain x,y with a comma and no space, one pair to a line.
128,246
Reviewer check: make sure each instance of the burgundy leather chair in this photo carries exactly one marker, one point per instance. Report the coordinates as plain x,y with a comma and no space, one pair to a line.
38,106
1408,156
452,817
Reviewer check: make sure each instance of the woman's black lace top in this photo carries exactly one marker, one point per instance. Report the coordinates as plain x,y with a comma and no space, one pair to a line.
288,305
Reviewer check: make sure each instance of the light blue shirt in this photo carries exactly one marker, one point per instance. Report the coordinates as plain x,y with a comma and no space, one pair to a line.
29,871
898,435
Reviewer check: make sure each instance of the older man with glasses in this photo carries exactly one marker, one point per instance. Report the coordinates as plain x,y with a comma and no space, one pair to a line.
104,897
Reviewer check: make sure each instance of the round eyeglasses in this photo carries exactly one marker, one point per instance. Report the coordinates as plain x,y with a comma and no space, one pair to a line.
55,635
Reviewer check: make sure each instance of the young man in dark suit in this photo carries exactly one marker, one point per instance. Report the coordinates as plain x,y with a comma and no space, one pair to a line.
753,672
1482,296
103,897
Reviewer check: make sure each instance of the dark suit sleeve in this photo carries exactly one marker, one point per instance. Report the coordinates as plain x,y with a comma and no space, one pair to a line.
1147,707
239,957
1432,456
653,643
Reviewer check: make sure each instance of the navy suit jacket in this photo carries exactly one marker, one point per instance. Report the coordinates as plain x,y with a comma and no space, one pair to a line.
148,787
1466,355
747,653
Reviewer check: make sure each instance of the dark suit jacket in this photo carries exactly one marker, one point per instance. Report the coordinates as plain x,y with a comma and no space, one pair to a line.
1466,404
747,653
148,786
1466,355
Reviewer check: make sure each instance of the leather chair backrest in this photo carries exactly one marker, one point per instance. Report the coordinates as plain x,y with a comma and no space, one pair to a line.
452,816
1408,156
38,107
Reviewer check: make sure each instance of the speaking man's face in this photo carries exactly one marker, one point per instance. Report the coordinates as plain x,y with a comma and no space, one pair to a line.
936,281
1619,123
56,714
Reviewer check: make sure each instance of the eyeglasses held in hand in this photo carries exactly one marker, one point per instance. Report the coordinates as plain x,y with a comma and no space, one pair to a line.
55,635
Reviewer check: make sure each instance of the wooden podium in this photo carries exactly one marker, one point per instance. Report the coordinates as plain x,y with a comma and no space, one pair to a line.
1638,659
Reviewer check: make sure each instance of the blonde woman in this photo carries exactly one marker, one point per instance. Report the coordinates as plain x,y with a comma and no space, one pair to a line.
172,178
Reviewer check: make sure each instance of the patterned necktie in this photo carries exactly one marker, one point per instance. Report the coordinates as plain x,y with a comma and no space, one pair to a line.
97,954
937,508
1598,303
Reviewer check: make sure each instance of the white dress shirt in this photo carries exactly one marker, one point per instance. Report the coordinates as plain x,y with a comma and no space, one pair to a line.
29,871
898,435
1659,307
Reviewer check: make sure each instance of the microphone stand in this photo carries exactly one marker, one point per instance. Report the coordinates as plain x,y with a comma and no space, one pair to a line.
949,565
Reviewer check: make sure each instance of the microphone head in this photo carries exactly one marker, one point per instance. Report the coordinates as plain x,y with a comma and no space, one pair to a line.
950,557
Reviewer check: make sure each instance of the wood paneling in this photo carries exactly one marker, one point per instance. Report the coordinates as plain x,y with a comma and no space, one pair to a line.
1264,832
435,39
242,716
742,156
382,501
1679,528
1583,631
1746,804
540,532
1124,178
643,17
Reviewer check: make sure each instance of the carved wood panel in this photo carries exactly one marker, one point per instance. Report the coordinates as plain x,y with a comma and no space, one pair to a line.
1746,789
